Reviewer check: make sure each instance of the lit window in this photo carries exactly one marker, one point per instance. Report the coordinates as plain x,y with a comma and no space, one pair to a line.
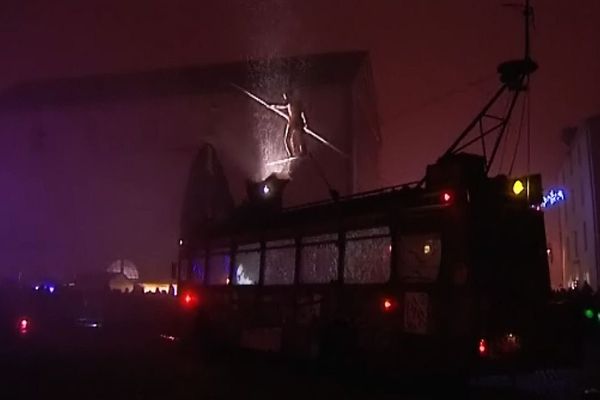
420,256
248,267
241,278
367,255
319,256
280,262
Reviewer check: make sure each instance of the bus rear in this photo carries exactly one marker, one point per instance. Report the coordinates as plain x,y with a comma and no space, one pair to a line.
433,278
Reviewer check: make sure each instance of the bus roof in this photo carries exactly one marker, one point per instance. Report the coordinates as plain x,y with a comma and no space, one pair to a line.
367,209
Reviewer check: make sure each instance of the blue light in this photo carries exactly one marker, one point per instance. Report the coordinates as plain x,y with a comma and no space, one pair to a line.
37,287
266,189
554,197
51,288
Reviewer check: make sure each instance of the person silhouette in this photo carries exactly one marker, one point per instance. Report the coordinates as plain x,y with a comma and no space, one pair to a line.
294,133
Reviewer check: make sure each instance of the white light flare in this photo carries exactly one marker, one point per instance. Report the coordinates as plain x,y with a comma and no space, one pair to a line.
268,129
269,134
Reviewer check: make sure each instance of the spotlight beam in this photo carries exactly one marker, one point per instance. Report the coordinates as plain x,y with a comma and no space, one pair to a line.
287,118
283,161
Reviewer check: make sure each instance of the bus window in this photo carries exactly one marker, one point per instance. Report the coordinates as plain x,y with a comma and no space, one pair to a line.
280,261
380,231
247,265
420,257
367,256
319,256
199,268
218,267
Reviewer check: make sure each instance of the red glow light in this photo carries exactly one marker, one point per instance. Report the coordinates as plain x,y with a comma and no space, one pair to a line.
387,304
446,197
189,299
23,325
482,347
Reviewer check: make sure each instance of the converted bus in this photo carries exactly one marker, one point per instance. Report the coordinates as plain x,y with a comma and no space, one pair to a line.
441,274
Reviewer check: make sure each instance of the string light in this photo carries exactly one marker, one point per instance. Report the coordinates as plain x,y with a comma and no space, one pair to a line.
553,197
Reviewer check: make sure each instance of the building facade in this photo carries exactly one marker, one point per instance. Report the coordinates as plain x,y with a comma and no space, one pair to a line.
94,168
575,254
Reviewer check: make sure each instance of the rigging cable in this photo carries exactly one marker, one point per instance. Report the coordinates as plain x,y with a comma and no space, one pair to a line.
507,134
528,98
519,135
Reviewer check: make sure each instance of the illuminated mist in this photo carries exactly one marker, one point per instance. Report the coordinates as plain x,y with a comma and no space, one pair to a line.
268,134
268,130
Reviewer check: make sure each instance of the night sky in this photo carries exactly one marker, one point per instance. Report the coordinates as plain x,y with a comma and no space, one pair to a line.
433,61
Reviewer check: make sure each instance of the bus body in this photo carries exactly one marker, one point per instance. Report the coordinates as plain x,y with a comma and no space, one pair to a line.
429,278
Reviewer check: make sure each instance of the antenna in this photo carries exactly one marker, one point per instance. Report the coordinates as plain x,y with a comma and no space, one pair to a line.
528,18
514,79
528,14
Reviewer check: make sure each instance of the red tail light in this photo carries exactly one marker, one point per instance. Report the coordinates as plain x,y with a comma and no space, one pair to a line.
23,325
388,304
189,299
446,197
483,347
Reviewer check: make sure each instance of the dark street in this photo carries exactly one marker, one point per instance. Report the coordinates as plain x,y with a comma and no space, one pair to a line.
135,365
